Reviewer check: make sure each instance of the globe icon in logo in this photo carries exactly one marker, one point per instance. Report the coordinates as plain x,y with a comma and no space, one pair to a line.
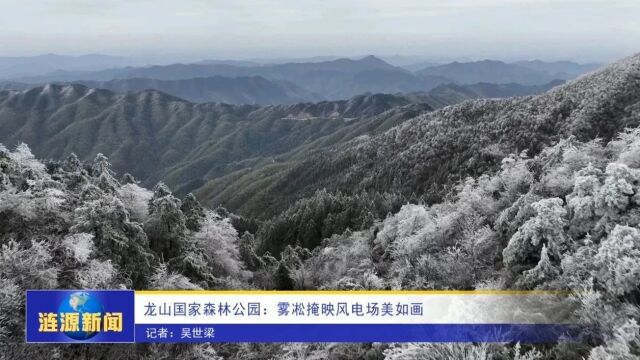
80,303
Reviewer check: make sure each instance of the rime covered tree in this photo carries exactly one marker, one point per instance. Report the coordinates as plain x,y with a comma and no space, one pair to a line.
165,225
193,212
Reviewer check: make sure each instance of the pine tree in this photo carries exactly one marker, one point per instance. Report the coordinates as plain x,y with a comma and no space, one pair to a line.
103,176
116,237
127,179
165,225
618,260
546,228
282,278
543,273
247,249
217,242
193,212
75,175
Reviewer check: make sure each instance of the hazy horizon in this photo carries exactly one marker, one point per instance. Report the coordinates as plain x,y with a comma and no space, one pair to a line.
393,59
153,31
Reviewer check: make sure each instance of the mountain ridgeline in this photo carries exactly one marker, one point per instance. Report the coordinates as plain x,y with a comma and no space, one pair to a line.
249,83
524,72
22,66
336,79
252,90
256,90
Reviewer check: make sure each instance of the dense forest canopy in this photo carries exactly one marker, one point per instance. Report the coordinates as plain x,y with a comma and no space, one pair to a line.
564,219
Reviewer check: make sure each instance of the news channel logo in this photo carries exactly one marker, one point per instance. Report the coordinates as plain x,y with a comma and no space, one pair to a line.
80,316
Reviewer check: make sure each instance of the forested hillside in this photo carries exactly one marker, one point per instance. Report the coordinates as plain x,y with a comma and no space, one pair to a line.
156,137
426,155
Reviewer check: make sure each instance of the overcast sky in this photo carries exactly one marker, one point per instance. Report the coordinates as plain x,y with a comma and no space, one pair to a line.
504,29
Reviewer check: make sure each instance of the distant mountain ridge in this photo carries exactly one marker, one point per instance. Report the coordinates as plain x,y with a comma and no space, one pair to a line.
565,70
254,90
487,71
19,66
453,94
260,91
332,79
497,72
212,68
